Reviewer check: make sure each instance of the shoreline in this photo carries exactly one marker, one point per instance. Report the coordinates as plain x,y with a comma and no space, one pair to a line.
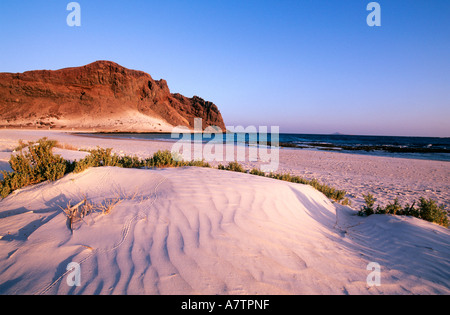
374,150
386,178
370,150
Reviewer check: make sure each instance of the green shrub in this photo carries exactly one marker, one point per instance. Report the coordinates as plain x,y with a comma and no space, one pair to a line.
235,167
83,164
169,159
103,157
328,191
410,211
131,162
197,164
368,209
257,172
430,211
346,202
5,190
31,166
39,163
232,166
393,208
162,159
98,157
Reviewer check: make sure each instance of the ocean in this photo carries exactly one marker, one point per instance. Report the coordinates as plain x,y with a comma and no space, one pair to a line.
425,148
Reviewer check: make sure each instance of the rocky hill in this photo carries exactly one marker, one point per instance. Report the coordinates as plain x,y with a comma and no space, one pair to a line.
101,96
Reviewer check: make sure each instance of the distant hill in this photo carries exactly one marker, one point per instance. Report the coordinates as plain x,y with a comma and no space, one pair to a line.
103,96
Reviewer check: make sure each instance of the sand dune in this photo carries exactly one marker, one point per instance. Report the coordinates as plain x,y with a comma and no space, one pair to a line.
205,231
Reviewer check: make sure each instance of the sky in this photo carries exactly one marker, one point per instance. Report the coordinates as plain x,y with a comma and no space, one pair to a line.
307,66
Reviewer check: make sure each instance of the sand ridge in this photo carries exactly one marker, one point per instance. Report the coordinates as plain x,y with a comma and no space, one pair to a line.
205,231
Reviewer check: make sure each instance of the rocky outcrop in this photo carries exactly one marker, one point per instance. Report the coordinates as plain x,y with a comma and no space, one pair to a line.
103,96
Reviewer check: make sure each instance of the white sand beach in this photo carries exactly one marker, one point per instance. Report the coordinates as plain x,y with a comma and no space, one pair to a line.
205,231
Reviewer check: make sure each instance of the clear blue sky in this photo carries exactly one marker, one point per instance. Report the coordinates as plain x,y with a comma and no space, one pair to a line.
308,66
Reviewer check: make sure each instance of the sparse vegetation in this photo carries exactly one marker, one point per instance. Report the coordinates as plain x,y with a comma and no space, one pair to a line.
428,210
328,191
368,209
257,172
232,166
75,213
84,208
98,157
33,164
162,159
346,202
131,162
197,164
108,205
166,159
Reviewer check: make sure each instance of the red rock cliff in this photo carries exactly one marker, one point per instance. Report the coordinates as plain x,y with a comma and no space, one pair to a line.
103,96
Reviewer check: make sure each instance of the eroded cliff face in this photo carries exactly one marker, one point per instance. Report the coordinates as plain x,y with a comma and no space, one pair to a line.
103,96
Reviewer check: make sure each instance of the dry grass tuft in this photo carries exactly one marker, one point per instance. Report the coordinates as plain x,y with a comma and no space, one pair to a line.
74,214
108,205
84,208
